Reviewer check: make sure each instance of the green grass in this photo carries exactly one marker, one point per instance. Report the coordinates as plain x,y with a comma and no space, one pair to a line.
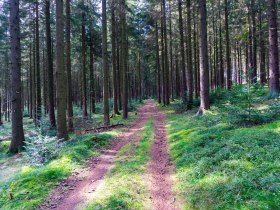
125,186
220,166
31,185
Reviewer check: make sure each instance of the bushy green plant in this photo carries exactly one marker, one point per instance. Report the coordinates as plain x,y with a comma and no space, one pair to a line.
241,105
41,149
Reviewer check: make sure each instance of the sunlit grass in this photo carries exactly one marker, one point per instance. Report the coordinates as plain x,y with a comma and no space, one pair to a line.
31,185
125,186
220,166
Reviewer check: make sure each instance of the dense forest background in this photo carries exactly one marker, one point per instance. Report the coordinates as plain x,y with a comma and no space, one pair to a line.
53,59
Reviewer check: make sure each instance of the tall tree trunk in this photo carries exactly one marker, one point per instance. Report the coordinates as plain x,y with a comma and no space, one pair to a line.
182,50
105,65
273,50
31,88
204,66
228,57
38,72
17,125
254,43
49,64
158,66
189,56
68,69
171,52
166,65
84,82
221,61
114,59
124,66
262,50
60,80
91,74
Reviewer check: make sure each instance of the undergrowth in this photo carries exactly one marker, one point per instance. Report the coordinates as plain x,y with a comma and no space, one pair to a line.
30,186
222,163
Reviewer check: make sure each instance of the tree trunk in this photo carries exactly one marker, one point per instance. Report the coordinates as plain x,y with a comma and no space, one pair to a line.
61,80
204,66
158,66
49,64
262,50
68,68
182,49
273,50
84,82
166,65
189,55
114,59
228,57
38,72
124,60
91,74
105,65
17,125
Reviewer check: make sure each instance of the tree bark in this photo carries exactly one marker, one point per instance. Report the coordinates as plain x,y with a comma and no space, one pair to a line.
182,50
189,56
38,72
84,82
15,68
204,66
114,59
228,57
49,65
68,69
105,65
158,66
61,80
273,50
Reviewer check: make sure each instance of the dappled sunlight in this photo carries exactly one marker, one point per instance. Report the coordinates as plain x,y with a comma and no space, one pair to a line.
222,166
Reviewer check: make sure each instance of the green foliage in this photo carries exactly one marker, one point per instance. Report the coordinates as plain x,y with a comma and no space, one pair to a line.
41,149
224,167
124,184
29,188
245,105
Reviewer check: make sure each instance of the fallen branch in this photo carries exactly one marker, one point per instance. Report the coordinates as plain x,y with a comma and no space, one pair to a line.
105,127
6,139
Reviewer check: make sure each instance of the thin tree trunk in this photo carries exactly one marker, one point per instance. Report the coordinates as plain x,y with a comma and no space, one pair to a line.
182,49
49,65
61,80
189,55
91,74
105,65
158,66
228,57
114,59
68,69
38,72
84,82
273,50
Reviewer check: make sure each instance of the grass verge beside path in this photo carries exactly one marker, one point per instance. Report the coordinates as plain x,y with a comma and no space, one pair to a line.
125,186
224,167
29,188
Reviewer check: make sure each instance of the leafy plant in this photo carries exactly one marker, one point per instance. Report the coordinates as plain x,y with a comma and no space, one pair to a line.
41,149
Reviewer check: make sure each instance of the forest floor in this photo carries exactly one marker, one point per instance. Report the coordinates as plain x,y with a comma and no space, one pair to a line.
165,159
89,185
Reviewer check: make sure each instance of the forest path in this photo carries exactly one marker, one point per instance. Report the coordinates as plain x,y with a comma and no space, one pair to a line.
160,168
80,188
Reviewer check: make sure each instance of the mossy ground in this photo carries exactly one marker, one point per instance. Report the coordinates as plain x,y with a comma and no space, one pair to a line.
221,166
31,185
